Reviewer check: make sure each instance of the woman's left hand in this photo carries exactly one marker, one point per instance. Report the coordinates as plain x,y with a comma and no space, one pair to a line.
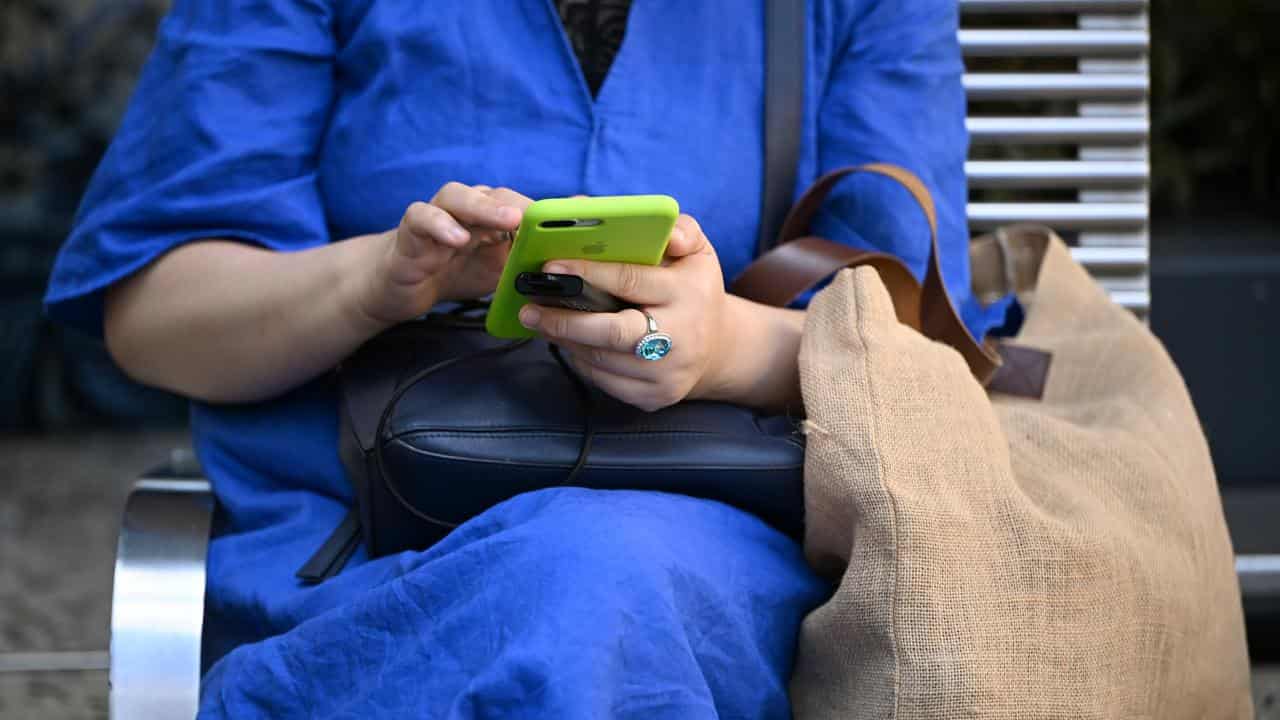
687,299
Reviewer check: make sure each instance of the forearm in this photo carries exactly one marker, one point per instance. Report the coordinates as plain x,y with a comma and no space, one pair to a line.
225,322
761,360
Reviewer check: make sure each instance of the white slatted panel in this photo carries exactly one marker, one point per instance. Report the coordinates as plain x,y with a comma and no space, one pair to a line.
1055,130
1053,43
1054,174
1056,86
1053,6
1107,123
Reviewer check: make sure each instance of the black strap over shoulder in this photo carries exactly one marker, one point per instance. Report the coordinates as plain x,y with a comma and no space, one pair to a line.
785,26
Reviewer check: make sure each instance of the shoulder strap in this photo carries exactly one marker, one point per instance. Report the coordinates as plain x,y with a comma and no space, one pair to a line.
785,26
800,262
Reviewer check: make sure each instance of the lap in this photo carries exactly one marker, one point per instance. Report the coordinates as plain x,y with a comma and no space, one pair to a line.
577,602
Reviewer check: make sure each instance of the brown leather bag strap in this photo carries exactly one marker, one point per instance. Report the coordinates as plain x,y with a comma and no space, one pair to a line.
785,273
799,263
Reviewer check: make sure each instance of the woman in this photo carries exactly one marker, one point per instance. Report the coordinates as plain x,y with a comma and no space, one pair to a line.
235,245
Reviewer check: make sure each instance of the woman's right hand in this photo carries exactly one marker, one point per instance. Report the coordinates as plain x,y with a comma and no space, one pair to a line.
452,248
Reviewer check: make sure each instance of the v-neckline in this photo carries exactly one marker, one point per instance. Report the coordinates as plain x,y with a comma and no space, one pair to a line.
594,102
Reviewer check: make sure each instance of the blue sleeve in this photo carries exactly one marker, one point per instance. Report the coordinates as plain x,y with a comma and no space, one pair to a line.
896,95
219,141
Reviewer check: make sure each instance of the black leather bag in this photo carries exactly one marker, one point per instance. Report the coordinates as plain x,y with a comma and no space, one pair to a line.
441,421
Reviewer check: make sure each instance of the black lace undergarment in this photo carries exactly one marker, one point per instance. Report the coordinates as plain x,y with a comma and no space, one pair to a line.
595,29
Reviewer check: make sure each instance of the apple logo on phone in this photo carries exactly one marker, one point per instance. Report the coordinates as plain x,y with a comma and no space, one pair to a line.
593,249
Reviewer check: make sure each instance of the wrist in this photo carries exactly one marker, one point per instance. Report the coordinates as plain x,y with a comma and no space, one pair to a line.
356,277
724,378
767,376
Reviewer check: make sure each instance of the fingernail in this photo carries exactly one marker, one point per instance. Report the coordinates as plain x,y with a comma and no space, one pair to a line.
508,214
458,235
555,268
677,235
530,316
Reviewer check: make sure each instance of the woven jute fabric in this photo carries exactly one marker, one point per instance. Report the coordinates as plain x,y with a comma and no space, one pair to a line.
1011,558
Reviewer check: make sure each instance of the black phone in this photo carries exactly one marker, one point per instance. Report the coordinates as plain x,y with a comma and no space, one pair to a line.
566,291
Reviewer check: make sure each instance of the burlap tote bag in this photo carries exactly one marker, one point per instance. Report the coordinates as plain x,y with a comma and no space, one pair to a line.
1007,557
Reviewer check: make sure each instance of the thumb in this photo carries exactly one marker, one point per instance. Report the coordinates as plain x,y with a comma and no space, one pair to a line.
686,239
412,258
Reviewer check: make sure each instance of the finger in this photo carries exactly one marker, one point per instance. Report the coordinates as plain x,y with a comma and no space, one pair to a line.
639,284
487,238
642,394
509,197
687,238
423,225
616,363
618,332
474,208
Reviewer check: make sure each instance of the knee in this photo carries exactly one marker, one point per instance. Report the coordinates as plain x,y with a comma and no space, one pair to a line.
623,519
604,529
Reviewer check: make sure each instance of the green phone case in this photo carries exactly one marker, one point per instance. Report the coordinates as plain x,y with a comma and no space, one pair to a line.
631,229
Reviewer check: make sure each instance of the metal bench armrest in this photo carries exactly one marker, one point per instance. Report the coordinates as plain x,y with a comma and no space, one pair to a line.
157,604
1259,576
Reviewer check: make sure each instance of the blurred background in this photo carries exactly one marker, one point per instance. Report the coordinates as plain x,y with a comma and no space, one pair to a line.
74,431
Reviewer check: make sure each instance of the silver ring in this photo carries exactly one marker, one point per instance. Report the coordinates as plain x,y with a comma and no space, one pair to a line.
655,345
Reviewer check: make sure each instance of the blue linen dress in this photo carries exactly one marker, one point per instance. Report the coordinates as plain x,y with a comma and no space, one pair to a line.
293,123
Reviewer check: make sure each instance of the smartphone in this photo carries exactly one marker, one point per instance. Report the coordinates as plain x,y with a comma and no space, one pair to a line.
626,229
566,291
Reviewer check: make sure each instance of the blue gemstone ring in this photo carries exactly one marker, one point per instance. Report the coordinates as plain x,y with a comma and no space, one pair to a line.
655,345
